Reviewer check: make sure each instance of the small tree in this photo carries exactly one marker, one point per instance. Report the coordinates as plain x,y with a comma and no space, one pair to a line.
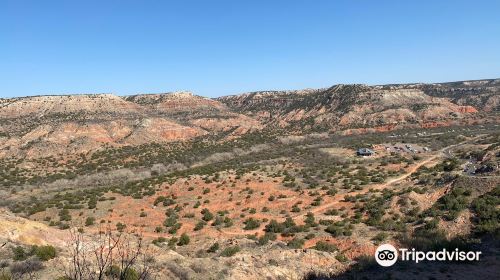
184,240
118,255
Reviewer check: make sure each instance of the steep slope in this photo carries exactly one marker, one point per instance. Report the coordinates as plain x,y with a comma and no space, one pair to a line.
196,111
45,125
48,125
482,94
384,107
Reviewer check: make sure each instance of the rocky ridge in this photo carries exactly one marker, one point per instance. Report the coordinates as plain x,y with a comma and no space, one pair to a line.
43,125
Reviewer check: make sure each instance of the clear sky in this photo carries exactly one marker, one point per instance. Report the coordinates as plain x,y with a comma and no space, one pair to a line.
216,48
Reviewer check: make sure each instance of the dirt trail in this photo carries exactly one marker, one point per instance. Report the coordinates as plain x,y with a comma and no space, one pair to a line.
338,198
444,152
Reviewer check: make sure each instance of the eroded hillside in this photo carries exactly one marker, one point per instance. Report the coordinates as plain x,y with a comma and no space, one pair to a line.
266,185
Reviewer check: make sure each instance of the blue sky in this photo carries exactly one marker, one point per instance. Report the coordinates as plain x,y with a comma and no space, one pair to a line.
216,48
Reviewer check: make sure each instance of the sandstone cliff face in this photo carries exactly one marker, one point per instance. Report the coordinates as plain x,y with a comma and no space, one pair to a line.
14,229
344,107
196,111
44,125
66,104
48,125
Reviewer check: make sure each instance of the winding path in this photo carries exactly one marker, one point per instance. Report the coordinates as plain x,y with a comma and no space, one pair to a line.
444,152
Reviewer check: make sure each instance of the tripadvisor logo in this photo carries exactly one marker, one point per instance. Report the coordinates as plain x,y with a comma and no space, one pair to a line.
387,255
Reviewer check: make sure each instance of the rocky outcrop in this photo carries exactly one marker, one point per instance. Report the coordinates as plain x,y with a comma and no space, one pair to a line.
361,107
14,229
45,125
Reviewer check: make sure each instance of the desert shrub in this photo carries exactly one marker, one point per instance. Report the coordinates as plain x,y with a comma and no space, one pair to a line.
207,215
130,274
332,212
174,228
168,202
230,251
309,220
120,226
19,254
159,240
295,243
380,237
341,257
310,236
214,248
218,221
170,221
251,223
172,242
89,221
274,226
325,246
27,267
158,200
184,240
331,192
335,230
199,225
64,215
44,253
92,203
158,229
288,227
64,226
487,213
268,236
115,272
228,222
451,204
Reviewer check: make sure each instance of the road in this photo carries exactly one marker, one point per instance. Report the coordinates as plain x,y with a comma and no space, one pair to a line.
444,152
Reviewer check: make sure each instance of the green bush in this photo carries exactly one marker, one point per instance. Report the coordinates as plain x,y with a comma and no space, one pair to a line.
120,227
159,240
380,237
214,248
487,213
341,257
230,251
266,238
45,253
296,243
199,225
19,254
89,221
207,215
113,271
184,240
251,223
335,230
325,246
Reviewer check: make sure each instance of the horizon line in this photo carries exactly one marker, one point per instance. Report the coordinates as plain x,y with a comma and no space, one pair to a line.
246,92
